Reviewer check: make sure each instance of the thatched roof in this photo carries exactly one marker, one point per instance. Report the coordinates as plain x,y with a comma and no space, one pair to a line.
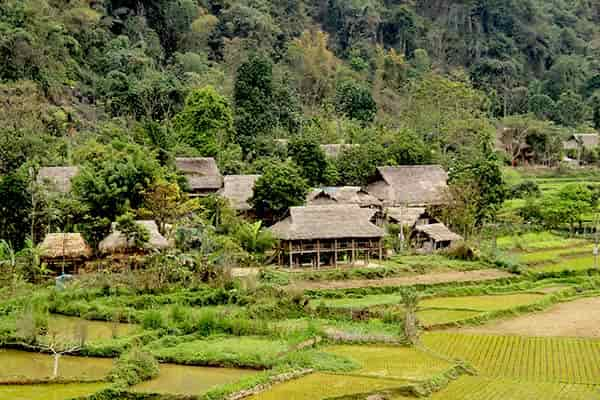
202,173
406,216
334,150
585,140
238,189
115,242
438,232
341,195
64,245
413,185
327,222
58,179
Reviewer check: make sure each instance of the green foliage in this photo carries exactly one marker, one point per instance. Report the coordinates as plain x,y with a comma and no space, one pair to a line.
280,187
355,101
310,158
206,121
134,367
136,235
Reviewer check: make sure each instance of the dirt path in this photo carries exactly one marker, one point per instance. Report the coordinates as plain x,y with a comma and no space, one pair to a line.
576,318
443,277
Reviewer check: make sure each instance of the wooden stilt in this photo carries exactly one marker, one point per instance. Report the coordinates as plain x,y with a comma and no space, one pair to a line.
291,256
353,253
380,251
318,253
335,250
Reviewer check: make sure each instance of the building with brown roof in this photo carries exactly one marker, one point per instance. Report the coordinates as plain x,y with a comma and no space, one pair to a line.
328,234
65,250
239,189
202,174
57,179
432,237
116,242
341,195
409,186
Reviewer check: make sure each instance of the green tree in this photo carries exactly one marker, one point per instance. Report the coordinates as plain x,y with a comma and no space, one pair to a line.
280,187
568,206
136,235
570,109
355,101
15,205
355,165
254,103
206,121
310,158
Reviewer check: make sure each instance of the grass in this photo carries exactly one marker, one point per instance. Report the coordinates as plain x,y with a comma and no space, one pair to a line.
321,386
555,255
574,264
536,241
247,351
392,362
429,318
478,388
567,360
482,303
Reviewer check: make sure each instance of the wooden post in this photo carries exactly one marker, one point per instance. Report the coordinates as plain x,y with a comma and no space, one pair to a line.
318,253
380,250
335,249
353,252
291,257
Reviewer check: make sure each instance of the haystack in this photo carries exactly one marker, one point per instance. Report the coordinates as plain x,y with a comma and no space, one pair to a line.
64,246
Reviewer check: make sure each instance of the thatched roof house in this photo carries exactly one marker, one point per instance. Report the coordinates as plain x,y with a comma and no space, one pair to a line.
116,242
238,189
405,216
415,185
434,237
586,141
57,179
327,222
202,174
334,150
57,247
341,195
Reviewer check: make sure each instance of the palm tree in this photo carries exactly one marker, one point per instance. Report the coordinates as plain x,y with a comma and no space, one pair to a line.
254,239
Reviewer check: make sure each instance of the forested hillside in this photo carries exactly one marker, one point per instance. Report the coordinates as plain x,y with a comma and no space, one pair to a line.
121,87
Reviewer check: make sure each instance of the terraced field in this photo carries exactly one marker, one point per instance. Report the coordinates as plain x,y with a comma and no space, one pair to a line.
535,359
477,388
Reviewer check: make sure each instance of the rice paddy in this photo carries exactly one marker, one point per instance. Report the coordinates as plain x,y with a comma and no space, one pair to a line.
49,391
535,359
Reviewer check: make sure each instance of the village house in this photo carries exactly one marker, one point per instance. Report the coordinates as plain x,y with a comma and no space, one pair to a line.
66,252
409,186
239,189
116,243
342,195
432,237
328,234
579,143
57,179
202,175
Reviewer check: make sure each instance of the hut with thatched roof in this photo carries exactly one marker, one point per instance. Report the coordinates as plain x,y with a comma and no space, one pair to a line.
202,174
408,216
57,179
328,234
432,237
65,250
116,242
342,195
409,186
239,189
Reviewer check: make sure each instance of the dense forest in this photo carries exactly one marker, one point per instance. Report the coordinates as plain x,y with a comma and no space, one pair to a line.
121,87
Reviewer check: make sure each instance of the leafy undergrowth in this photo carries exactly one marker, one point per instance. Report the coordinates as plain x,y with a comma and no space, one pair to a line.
532,241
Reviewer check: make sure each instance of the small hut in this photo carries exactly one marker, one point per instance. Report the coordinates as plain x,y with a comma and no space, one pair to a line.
409,216
202,174
116,242
412,186
239,189
433,237
65,250
342,195
57,179
328,234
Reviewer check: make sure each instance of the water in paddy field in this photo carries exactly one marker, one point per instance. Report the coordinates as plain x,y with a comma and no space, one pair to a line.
180,379
49,391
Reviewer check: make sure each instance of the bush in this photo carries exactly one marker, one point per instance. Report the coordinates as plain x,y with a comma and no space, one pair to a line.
524,189
153,319
461,251
134,367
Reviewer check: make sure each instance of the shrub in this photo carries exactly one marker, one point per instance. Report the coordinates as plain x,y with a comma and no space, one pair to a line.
461,251
524,189
153,319
134,367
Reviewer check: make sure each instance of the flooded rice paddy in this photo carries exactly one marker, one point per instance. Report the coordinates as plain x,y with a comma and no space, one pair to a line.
49,391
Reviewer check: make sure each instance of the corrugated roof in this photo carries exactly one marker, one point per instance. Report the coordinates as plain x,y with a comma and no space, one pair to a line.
327,222
238,189
412,185
58,179
202,173
438,232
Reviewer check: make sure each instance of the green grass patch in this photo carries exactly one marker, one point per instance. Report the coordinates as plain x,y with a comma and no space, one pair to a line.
482,303
574,264
429,318
50,391
537,241
555,255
